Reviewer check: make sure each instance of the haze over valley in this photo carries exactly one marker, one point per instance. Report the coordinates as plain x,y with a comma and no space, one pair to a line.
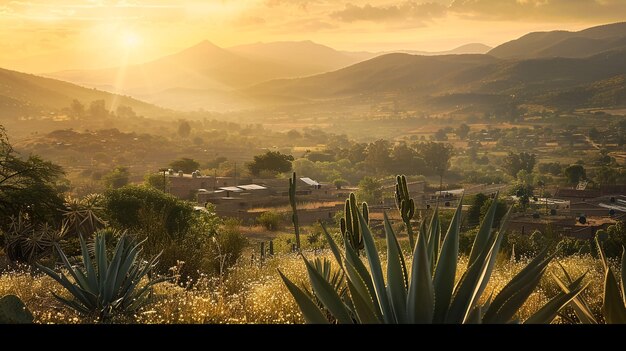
313,161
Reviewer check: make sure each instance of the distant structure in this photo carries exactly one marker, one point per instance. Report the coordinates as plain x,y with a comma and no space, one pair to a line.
578,212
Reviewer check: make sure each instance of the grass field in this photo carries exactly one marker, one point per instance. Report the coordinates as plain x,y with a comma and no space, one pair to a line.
252,292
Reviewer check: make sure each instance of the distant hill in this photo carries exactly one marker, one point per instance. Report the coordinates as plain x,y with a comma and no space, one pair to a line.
473,48
207,76
387,73
207,73
455,79
26,94
298,58
579,44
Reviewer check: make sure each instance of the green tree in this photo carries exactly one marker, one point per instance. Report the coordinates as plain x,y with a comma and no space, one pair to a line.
437,157
77,110
473,213
339,183
125,112
513,163
378,159
441,135
462,131
184,129
370,191
117,178
98,110
157,181
271,161
187,165
501,210
575,173
29,185
405,160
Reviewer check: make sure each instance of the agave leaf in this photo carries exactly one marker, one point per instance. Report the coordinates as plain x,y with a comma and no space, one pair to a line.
327,295
311,313
613,307
481,242
508,301
470,287
445,271
77,277
546,314
110,281
623,275
434,231
359,277
361,307
333,245
475,317
421,295
582,311
376,269
90,272
78,307
396,287
101,259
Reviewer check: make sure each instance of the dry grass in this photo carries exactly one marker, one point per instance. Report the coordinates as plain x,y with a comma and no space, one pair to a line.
301,206
254,293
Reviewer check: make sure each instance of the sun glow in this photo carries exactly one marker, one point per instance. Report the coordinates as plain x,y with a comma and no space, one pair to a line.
130,40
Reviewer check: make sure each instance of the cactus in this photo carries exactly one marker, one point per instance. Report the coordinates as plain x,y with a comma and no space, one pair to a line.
405,205
13,311
350,227
294,210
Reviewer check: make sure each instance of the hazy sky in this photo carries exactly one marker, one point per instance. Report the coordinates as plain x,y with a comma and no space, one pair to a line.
49,35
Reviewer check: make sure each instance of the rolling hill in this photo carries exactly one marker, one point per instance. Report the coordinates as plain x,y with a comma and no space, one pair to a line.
579,44
455,79
205,75
26,94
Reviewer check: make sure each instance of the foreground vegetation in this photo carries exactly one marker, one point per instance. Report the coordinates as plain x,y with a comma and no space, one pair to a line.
254,293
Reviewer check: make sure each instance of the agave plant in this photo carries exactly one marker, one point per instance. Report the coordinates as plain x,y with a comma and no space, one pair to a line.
421,294
28,242
613,304
82,216
614,299
102,288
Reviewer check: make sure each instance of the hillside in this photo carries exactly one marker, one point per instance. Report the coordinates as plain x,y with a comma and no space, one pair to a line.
25,94
462,79
300,58
579,44
204,76
388,73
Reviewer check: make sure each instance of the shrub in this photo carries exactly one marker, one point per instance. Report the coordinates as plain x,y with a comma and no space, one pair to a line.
124,207
226,246
270,220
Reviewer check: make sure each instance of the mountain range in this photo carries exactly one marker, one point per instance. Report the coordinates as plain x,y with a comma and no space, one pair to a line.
561,69
207,76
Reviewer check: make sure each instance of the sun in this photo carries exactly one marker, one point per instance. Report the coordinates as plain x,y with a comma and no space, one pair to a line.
130,40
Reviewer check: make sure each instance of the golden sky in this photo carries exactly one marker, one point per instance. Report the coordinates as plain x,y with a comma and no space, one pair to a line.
49,35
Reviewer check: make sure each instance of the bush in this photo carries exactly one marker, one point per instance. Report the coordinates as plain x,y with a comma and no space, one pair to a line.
125,206
270,220
226,246
572,246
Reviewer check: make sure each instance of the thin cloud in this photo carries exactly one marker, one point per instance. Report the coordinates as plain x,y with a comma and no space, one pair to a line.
405,11
538,10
